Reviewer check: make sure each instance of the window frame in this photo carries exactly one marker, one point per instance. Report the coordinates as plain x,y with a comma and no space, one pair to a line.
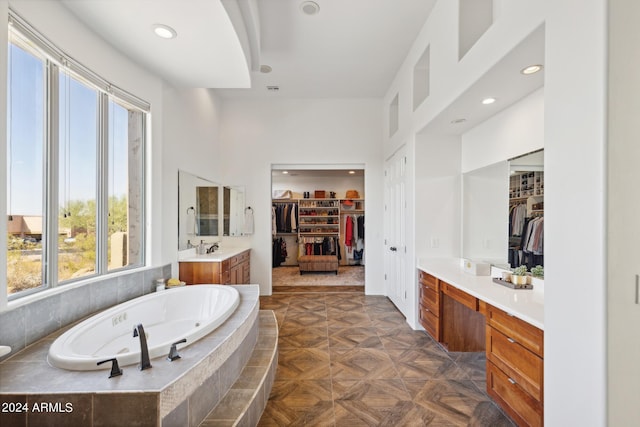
56,61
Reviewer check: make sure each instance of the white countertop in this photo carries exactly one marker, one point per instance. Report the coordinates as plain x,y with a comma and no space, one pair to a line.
218,256
525,304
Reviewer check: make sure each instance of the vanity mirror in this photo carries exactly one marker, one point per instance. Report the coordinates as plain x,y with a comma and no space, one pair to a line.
526,210
507,195
198,209
234,205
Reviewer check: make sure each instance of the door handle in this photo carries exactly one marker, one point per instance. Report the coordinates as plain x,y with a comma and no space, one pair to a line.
393,248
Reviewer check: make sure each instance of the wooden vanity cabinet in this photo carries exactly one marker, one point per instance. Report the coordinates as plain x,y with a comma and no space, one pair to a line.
463,327
239,269
429,304
515,366
231,271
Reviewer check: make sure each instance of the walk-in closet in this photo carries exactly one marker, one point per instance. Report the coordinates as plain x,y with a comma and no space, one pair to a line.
318,227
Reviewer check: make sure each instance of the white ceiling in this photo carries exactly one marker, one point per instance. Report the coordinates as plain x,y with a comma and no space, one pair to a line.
351,48
206,52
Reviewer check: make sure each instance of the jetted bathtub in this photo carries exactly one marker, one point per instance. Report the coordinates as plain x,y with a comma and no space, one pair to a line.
167,316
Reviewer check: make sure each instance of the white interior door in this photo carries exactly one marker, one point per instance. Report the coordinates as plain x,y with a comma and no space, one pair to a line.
395,229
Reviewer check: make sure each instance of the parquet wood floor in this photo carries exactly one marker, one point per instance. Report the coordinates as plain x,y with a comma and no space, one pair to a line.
346,359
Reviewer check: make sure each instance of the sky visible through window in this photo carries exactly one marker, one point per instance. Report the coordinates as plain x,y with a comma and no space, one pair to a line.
77,123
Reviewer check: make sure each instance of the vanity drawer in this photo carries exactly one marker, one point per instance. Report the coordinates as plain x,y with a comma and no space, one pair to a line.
518,330
430,299
430,322
521,406
521,365
428,280
240,258
461,296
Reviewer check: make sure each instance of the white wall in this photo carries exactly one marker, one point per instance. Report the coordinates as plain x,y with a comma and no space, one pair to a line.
514,131
575,387
261,132
299,184
574,141
191,129
65,31
438,196
450,78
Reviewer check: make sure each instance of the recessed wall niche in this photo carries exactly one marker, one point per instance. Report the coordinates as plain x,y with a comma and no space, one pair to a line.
474,19
421,78
393,116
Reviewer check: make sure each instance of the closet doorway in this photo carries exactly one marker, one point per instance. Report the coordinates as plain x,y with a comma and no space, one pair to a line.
318,228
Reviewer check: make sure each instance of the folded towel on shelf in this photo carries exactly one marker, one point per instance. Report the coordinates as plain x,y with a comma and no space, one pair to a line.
281,194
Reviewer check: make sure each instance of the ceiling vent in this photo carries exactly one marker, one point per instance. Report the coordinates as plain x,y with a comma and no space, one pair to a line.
309,7
273,88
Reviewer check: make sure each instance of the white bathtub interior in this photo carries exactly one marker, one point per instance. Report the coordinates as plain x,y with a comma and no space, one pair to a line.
168,316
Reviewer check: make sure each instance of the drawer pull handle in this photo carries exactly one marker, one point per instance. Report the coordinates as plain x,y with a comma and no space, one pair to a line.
511,340
512,381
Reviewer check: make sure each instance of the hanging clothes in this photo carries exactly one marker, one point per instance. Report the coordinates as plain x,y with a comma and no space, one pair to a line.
517,216
348,233
274,225
360,227
284,217
531,248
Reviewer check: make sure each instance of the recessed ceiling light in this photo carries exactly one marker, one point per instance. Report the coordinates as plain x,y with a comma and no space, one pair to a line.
164,31
488,101
352,172
531,69
285,172
265,69
309,8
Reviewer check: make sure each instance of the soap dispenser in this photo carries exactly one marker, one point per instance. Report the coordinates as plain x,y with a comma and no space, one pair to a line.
201,248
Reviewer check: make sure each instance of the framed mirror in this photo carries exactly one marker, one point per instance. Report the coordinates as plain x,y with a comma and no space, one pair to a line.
233,205
507,195
526,210
198,209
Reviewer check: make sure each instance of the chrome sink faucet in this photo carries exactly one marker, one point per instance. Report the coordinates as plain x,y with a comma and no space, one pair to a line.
138,331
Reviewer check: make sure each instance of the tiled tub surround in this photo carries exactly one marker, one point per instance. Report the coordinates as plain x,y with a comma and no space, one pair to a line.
31,321
180,393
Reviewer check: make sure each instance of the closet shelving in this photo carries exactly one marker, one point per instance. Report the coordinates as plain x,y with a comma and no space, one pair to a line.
318,217
523,185
352,206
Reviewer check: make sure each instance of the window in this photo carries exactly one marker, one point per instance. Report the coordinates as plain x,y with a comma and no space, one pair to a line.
75,169
77,192
25,153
